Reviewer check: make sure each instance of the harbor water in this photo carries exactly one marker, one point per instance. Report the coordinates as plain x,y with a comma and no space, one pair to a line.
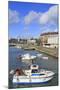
48,64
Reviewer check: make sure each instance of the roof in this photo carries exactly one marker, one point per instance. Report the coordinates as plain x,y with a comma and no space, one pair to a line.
49,33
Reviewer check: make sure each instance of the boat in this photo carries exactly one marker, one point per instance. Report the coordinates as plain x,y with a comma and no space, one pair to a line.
33,75
26,56
39,55
46,58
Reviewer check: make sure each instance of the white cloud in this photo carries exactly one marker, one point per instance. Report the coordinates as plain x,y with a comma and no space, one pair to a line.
13,16
31,16
50,16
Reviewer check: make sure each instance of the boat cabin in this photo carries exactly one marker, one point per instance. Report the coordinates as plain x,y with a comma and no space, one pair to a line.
34,68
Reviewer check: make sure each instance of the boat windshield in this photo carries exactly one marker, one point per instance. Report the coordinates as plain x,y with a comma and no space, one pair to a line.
34,71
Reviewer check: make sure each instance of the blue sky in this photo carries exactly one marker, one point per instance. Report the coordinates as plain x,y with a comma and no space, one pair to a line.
28,20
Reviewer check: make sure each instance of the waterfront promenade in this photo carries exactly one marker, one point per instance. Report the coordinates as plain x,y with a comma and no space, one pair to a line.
50,51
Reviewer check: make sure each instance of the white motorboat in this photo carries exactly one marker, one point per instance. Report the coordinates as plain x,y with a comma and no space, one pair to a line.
32,76
39,55
27,56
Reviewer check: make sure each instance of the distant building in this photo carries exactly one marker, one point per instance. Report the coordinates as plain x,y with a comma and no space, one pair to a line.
49,39
22,41
31,41
13,40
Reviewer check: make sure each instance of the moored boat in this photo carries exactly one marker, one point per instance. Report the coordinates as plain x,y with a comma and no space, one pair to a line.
33,75
39,55
26,56
45,58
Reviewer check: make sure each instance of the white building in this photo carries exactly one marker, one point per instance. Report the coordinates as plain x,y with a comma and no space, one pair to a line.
53,40
50,39
31,41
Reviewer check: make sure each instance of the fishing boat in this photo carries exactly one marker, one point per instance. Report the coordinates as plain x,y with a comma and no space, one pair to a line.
33,75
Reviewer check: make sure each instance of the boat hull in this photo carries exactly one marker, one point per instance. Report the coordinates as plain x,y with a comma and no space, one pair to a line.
27,80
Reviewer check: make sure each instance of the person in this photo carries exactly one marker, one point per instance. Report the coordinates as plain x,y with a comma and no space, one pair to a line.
19,72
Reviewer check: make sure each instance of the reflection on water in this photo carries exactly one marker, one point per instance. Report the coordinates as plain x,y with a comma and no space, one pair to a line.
50,64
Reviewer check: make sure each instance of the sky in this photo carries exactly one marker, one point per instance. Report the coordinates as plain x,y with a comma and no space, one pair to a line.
27,20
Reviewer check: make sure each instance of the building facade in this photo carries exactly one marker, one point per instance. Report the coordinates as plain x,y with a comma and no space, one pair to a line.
31,41
49,39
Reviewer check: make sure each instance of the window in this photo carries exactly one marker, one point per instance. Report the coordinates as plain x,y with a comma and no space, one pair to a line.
42,74
34,71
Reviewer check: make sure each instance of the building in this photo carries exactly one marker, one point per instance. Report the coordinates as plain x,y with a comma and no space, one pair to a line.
49,39
22,41
31,41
